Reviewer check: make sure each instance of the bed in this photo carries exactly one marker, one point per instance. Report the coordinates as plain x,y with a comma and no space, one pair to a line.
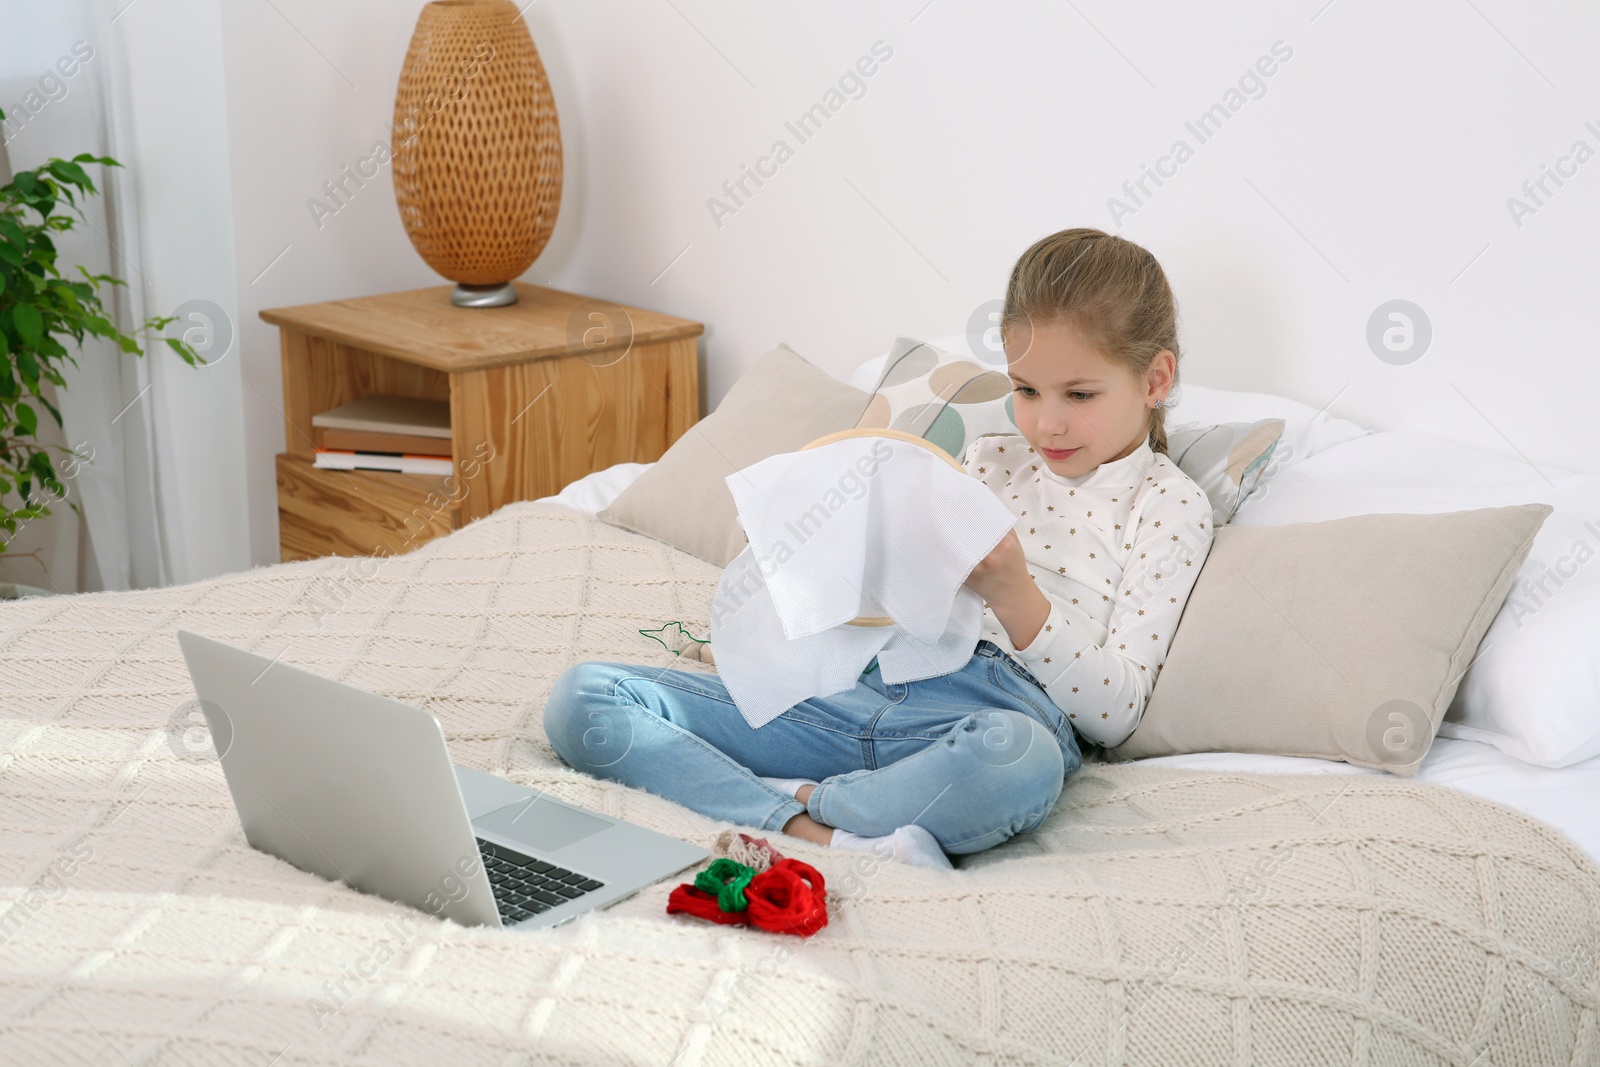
1204,908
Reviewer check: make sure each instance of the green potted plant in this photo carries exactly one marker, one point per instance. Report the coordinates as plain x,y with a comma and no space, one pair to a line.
39,308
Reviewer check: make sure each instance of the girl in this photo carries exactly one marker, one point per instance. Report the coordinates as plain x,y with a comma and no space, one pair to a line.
1080,602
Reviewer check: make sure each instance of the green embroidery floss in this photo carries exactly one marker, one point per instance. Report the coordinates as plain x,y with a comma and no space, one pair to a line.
684,630
727,879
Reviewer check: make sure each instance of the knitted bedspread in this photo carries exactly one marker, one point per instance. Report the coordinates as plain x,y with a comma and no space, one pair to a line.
1158,917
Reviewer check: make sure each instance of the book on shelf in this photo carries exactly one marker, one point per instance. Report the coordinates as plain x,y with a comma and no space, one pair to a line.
374,441
400,462
381,413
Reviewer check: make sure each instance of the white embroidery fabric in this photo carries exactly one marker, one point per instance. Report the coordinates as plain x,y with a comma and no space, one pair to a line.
863,526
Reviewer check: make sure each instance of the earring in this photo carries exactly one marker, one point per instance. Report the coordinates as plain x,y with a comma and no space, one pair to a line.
1162,403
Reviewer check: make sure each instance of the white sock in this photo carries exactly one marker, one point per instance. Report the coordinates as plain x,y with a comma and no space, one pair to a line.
787,785
910,844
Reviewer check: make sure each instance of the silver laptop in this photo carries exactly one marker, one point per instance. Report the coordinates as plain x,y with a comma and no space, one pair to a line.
359,788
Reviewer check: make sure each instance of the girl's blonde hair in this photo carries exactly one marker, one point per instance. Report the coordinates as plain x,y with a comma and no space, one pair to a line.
1112,290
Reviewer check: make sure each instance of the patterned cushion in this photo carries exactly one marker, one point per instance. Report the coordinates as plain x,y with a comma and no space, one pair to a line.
946,398
1226,460
952,399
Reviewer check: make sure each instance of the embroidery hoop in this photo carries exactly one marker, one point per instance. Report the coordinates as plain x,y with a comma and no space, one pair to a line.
897,435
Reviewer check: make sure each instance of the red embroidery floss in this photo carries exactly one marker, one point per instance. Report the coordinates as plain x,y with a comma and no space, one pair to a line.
697,902
787,898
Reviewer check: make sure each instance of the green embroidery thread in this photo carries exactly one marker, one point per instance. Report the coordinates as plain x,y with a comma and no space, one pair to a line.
683,630
726,878
651,634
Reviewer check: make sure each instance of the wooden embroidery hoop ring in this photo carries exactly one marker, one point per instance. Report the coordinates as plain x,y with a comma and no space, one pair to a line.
898,435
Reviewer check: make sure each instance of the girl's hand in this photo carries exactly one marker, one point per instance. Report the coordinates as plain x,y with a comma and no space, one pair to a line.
1002,579
1003,571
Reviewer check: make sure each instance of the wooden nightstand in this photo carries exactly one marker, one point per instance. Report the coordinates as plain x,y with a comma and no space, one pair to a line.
541,393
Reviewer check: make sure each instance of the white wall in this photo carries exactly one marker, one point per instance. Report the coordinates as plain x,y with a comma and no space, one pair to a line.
1376,165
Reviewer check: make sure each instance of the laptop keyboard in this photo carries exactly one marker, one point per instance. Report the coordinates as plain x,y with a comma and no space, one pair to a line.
525,887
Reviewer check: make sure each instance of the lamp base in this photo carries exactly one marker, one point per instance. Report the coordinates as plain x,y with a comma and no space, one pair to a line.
483,296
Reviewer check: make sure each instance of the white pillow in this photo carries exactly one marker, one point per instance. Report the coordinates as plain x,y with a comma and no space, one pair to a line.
1533,690
1306,432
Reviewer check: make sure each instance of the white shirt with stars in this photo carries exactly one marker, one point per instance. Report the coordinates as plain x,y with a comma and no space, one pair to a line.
1116,551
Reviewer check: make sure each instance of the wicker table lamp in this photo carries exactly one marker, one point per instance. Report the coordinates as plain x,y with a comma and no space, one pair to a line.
477,158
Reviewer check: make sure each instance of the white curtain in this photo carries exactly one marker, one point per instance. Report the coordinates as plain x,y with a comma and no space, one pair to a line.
64,88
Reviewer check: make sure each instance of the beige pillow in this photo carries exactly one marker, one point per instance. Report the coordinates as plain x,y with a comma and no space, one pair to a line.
779,405
1341,640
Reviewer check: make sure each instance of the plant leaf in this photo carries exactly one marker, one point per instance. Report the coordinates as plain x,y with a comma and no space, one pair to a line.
25,317
186,352
71,172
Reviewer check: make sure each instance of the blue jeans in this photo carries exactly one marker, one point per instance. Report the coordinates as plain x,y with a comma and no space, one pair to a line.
973,756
